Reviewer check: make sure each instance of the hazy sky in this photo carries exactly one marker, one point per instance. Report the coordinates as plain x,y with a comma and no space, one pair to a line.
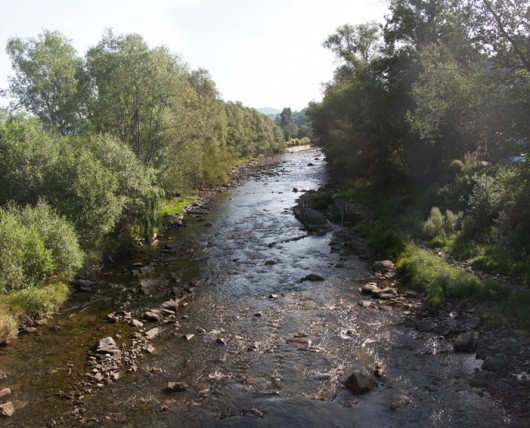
264,53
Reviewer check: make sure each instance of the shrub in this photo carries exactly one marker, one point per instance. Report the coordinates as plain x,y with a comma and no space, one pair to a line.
50,242
37,302
452,220
8,325
434,226
12,253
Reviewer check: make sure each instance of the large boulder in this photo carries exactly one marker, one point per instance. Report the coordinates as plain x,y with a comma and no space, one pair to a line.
312,219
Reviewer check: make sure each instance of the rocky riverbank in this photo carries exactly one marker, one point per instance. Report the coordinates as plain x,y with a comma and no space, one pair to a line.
501,345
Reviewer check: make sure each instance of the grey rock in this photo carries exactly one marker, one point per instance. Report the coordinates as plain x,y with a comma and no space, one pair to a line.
365,303
312,277
107,346
312,219
170,304
383,265
400,401
481,379
4,392
84,284
385,296
370,288
136,323
466,342
360,383
176,386
151,334
153,316
7,409
494,363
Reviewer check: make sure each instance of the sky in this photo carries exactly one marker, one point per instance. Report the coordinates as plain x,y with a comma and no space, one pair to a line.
264,53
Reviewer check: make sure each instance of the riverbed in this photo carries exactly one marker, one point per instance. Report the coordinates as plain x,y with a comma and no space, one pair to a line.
253,341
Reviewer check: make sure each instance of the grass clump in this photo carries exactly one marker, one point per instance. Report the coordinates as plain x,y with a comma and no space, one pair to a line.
425,273
174,206
321,202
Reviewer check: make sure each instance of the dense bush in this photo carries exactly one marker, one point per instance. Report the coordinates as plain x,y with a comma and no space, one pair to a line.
95,181
39,252
36,245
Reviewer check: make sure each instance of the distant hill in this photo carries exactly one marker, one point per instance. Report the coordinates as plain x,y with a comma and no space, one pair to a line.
269,111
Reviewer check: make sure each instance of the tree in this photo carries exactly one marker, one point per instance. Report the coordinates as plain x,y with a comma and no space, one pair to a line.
501,28
355,45
137,92
287,123
94,181
447,97
46,81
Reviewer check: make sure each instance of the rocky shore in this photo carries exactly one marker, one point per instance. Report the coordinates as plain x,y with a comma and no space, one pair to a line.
500,345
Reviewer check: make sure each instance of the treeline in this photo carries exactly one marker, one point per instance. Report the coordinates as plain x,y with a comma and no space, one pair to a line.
295,125
90,147
430,110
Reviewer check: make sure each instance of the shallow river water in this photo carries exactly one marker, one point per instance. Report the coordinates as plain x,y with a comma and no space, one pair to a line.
268,349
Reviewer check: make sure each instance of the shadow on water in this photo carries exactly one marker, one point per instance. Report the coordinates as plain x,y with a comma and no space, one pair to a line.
264,347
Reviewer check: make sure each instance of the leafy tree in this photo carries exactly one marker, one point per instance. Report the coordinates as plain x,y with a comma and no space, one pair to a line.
501,28
46,81
96,182
355,45
137,91
287,123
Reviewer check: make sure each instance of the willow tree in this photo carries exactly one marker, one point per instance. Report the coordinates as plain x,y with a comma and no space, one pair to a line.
136,90
49,80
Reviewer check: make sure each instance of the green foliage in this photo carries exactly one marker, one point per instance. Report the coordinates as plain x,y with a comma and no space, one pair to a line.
425,273
57,235
299,141
287,123
36,302
321,202
434,226
47,79
382,237
35,245
95,181
517,306
8,324
174,206
435,109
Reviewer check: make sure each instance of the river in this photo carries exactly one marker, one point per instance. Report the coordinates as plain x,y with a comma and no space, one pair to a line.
255,344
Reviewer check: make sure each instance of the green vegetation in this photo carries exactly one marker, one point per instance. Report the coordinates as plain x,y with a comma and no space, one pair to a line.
429,113
433,276
296,126
97,149
40,252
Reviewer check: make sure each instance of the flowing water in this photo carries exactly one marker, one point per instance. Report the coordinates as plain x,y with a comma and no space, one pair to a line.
268,348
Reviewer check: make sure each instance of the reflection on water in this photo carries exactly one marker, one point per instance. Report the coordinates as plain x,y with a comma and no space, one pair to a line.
264,348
